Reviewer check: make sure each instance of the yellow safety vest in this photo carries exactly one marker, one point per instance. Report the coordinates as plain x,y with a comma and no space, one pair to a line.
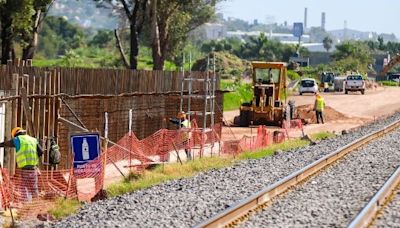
27,154
186,126
320,104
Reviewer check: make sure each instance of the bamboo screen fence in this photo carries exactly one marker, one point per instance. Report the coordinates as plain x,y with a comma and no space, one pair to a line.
36,97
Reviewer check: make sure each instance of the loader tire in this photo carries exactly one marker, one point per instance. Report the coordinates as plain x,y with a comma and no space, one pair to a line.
244,118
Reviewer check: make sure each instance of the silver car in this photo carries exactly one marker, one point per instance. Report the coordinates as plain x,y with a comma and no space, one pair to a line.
308,85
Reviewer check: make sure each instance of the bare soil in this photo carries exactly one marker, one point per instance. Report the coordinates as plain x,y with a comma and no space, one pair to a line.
344,112
306,113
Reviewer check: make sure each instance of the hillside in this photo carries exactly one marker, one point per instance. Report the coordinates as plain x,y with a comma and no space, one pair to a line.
84,13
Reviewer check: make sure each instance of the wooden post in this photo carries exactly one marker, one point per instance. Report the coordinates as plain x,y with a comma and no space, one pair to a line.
14,117
8,126
27,111
105,146
38,110
33,113
44,105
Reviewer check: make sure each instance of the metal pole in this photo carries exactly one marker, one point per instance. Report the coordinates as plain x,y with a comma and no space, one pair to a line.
106,125
190,86
182,83
130,138
214,78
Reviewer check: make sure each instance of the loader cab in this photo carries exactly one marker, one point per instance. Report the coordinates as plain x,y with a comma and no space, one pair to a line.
267,76
269,84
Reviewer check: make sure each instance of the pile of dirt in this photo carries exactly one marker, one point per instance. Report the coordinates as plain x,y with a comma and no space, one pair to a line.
227,65
307,114
371,84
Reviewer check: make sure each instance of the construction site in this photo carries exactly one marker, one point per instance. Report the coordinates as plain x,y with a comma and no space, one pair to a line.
130,111
168,113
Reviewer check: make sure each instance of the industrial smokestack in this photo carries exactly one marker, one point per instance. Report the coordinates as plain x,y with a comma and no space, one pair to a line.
305,18
323,20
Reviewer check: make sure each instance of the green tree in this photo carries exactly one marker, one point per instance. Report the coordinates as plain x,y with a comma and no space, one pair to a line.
102,39
327,43
393,47
135,11
381,44
20,20
317,34
221,45
30,33
14,16
261,48
171,21
58,36
234,24
352,56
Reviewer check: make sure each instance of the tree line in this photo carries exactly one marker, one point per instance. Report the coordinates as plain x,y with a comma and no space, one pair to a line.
164,24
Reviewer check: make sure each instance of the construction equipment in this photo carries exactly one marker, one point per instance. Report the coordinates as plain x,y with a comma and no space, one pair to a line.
327,79
269,87
393,61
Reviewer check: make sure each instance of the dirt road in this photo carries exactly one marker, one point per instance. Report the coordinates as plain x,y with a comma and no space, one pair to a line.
359,109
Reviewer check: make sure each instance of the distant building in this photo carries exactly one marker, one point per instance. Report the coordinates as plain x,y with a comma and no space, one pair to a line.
305,18
283,37
350,34
212,31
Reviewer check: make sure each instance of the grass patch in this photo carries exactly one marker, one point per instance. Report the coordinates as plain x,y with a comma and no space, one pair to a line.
389,83
287,145
174,171
322,135
168,172
240,93
64,207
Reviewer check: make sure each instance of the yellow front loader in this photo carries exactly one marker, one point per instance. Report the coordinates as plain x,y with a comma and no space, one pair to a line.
269,88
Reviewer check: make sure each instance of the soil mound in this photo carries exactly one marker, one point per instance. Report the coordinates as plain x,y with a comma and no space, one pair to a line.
307,114
371,85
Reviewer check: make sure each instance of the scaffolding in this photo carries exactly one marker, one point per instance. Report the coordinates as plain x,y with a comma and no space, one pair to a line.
207,95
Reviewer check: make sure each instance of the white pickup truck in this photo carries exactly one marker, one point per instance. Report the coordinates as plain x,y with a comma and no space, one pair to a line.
354,83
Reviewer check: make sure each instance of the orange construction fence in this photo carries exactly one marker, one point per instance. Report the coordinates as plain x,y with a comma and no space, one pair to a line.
33,192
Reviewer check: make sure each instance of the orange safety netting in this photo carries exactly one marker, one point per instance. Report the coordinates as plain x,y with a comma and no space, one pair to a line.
33,192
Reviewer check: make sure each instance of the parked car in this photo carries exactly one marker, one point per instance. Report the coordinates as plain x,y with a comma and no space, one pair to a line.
339,83
395,77
354,83
308,85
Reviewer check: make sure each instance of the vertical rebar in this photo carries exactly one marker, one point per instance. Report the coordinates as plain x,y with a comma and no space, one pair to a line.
214,78
130,139
182,83
190,87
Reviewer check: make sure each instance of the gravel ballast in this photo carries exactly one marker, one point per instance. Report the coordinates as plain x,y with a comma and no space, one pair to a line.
390,216
186,202
334,197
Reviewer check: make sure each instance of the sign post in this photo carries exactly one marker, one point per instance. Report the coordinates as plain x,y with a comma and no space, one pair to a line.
86,149
298,32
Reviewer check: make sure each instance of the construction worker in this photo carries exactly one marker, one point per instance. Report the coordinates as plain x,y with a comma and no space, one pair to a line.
319,106
27,151
183,124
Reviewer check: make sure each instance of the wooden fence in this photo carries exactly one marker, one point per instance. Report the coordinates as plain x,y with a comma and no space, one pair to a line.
34,97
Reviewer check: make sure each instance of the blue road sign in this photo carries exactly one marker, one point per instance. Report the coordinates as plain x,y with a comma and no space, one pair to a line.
297,29
85,148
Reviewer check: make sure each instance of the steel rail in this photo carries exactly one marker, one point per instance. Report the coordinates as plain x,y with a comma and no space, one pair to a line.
242,208
370,211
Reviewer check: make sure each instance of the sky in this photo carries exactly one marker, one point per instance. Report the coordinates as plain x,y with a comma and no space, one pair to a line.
364,15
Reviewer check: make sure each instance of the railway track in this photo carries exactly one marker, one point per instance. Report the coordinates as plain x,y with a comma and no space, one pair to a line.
260,203
189,201
389,216
383,197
